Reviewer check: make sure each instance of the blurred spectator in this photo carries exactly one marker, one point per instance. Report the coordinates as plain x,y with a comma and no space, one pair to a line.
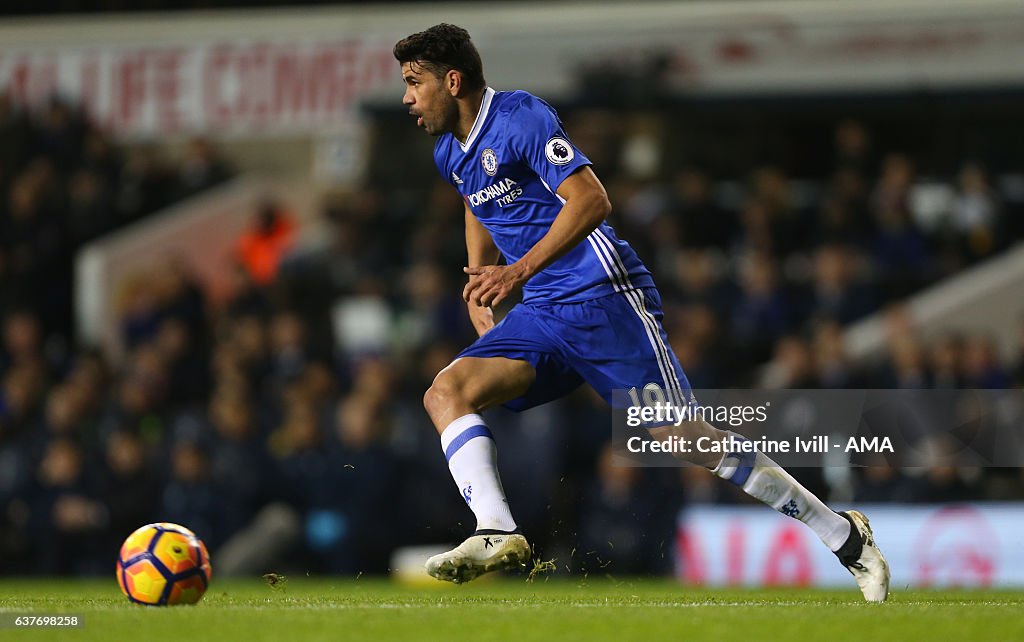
947,361
21,394
88,375
15,137
191,497
975,213
186,361
367,478
129,488
908,368
246,350
760,231
982,368
621,525
36,247
306,478
239,465
899,248
65,518
792,366
695,342
90,208
761,313
247,297
844,215
61,134
180,295
433,308
697,278
833,366
138,404
139,311
702,222
287,347
145,184
262,247
65,415
202,167
892,192
853,147
836,294
22,340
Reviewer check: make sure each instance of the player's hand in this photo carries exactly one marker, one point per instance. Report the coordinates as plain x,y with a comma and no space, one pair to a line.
482,318
493,283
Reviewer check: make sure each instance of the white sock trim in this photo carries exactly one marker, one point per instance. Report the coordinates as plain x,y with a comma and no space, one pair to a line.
457,427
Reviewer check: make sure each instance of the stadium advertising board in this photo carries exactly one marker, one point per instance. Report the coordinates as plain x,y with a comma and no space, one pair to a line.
224,85
968,545
258,73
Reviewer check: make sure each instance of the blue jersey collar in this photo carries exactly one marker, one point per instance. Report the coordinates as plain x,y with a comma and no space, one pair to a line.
478,124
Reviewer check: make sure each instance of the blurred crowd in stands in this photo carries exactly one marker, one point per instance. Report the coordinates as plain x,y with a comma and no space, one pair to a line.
285,427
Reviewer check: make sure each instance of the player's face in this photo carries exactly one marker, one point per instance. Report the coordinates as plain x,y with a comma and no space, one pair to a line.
428,100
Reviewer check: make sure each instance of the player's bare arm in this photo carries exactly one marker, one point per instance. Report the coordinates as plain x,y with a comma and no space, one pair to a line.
481,251
586,206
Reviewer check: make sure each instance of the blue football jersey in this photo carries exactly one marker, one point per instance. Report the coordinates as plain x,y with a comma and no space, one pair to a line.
508,171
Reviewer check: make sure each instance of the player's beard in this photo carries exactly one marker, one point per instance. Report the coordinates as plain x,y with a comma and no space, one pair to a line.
447,119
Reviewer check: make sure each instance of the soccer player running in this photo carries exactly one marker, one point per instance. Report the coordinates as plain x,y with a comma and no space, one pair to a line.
589,313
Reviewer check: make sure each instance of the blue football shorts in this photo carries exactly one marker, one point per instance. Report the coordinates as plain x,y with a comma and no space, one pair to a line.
612,342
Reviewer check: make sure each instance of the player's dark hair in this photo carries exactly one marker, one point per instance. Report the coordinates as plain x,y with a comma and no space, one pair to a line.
441,48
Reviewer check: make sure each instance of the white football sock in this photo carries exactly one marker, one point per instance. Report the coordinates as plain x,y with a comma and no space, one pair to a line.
473,461
763,479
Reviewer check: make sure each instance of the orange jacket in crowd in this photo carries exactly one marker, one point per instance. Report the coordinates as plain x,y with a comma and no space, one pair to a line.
262,246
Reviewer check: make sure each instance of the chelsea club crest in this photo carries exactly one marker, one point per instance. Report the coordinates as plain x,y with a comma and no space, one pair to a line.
490,161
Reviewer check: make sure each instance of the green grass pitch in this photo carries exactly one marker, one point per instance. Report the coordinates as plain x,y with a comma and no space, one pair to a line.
511,609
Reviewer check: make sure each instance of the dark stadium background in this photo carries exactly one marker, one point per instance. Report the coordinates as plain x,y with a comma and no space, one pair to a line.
772,222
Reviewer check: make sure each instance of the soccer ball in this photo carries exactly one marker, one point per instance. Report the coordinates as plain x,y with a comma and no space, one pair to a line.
163,564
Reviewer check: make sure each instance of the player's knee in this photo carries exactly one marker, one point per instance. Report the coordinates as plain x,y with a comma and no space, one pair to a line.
445,391
431,399
691,431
